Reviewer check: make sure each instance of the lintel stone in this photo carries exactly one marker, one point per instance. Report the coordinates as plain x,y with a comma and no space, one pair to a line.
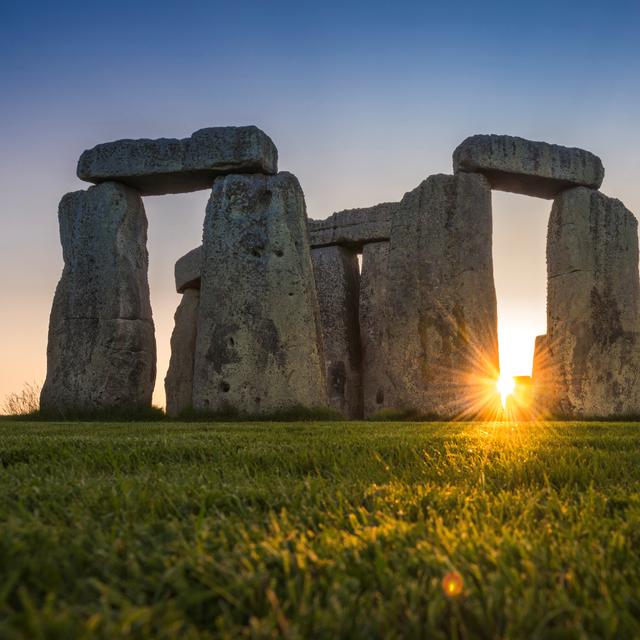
169,165
353,228
536,169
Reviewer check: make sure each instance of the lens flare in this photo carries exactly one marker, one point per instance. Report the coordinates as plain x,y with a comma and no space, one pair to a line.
452,584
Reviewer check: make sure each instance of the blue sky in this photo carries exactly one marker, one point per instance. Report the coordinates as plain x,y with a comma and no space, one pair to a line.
363,100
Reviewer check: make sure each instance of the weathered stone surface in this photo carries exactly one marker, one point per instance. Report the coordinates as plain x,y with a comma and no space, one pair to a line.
440,333
378,386
523,166
168,165
178,383
541,375
188,270
540,357
353,227
337,283
593,306
259,346
101,352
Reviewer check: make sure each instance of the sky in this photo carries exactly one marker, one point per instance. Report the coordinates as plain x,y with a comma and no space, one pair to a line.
363,99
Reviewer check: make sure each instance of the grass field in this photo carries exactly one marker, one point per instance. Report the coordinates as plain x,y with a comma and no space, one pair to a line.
319,530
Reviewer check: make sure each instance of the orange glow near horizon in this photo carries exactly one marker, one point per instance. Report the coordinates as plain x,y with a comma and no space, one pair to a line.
516,341
505,386
519,249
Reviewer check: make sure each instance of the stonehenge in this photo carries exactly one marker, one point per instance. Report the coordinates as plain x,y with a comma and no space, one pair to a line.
178,383
354,228
188,269
428,318
157,167
258,346
532,168
101,353
593,306
378,385
441,313
337,284
276,315
541,375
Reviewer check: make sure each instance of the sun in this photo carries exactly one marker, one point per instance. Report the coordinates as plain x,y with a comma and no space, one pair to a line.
505,385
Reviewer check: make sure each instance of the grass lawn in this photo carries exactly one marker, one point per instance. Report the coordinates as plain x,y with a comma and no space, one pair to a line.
319,530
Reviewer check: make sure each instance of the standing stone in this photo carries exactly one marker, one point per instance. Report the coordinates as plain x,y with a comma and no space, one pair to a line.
168,165
593,306
524,166
337,283
188,270
440,335
540,358
541,375
101,354
179,381
259,346
378,387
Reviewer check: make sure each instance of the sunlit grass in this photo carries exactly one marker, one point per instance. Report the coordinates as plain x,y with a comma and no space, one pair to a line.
324,530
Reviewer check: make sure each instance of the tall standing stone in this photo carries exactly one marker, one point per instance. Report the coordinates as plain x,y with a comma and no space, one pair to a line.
593,306
101,354
440,336
178,383
337,283
378,387
259,347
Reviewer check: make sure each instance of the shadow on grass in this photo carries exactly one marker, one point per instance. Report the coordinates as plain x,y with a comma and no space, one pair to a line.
125,414
293,414
156,414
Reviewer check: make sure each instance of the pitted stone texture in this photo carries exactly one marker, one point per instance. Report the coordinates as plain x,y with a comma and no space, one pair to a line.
178,383
168,165
259,347
101,352
523,166
441,321
593,306
188,270
379,387
353,227
337,282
